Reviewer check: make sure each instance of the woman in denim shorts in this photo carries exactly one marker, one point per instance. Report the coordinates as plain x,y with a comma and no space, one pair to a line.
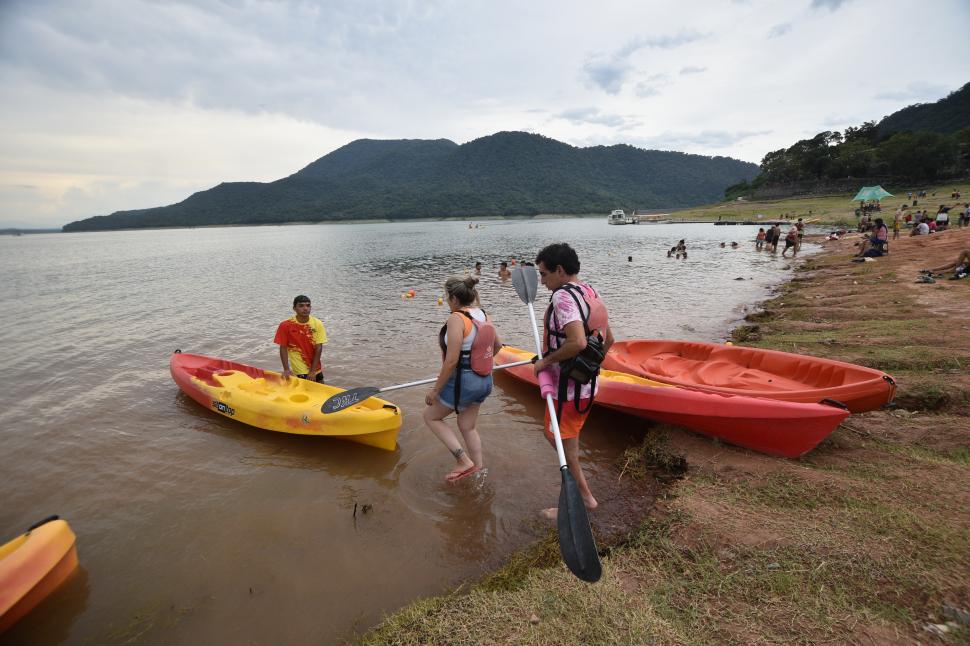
457,338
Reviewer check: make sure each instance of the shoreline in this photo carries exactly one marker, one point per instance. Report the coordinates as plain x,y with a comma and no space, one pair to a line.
861,540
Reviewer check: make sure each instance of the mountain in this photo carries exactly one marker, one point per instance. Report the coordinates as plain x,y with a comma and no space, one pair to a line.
508,173
945,116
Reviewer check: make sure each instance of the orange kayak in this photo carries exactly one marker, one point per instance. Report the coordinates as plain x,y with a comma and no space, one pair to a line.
32,566
770,426
736,370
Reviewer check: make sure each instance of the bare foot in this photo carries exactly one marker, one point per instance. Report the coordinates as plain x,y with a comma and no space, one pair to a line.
549,514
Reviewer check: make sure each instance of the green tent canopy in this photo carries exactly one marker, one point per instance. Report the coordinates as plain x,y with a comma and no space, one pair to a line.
871,193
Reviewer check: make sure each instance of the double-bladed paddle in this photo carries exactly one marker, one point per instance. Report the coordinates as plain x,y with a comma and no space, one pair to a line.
354,396
576,542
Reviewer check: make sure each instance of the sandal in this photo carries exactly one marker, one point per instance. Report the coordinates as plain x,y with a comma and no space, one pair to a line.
455,477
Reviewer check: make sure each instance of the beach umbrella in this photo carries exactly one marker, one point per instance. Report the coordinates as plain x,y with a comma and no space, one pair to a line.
871,193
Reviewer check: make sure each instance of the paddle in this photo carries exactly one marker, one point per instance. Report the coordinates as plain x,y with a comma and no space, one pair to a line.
576,542
354,396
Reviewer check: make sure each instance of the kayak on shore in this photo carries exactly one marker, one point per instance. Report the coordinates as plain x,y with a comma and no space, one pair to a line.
260,398
736,370
781,428
33,565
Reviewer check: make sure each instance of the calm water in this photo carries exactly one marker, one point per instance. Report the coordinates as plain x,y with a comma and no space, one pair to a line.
193,528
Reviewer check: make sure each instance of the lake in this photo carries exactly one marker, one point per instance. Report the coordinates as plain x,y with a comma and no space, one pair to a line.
193,528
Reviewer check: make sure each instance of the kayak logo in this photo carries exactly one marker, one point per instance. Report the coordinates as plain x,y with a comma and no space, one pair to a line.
224,409
340,402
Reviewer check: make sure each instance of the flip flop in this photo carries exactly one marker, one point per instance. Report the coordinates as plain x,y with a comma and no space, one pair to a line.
461,474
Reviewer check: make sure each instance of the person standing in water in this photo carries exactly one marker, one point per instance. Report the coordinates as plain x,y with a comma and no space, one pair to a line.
468,342
301,339
503,271
575,313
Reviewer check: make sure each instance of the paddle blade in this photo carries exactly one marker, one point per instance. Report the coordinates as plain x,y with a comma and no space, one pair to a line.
576,542
526,282
348,398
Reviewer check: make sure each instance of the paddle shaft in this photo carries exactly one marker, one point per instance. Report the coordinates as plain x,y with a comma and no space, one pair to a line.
553,421
434,379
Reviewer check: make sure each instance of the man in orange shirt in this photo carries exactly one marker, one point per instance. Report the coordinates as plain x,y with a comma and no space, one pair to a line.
301,340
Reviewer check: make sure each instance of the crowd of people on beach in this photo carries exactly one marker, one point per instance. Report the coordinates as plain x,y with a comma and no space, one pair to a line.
575,317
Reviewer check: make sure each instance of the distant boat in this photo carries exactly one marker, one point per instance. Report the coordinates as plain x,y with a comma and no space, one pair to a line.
655,218
618,217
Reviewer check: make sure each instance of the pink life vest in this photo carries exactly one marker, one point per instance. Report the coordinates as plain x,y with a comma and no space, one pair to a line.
480,355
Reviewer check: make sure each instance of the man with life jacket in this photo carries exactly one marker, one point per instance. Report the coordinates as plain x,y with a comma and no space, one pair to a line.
577,335
468,341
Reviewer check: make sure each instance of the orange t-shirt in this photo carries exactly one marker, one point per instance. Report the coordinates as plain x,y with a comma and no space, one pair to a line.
300,340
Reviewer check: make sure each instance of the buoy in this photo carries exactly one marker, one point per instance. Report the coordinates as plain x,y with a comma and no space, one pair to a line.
440,301
411,292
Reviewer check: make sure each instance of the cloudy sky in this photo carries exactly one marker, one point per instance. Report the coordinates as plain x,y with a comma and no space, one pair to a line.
120,104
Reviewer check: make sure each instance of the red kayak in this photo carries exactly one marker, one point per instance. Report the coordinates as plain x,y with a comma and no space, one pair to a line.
770,426
736,370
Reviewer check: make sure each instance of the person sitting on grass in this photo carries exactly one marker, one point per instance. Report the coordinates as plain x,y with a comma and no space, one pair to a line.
960,266
875,245
921,229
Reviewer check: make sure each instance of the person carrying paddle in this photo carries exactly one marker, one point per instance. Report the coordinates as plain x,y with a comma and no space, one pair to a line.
575,313
301,339
468,342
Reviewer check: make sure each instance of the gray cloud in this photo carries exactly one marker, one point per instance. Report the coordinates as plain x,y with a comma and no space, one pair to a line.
609,72
691,69
779,30
595,116
915,92
717,139
831,5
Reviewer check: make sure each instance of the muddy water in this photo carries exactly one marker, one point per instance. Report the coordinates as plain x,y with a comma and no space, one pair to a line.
193,528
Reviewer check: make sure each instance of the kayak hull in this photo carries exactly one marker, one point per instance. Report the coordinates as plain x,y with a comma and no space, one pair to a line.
774,427
738,370
262,399
32,566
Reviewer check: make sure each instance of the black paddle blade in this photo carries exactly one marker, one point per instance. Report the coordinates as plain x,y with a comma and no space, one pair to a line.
348,398
576,542
526,282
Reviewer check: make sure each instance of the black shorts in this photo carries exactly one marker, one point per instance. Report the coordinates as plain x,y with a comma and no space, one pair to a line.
789,243
318,378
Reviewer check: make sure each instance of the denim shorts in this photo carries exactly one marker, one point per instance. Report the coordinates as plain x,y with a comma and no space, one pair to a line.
475,389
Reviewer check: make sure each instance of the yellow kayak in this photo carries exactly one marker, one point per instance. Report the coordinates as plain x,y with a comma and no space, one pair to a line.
262,399
32,566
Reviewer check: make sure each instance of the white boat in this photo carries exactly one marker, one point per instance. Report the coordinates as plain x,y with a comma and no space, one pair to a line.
654,218
618,217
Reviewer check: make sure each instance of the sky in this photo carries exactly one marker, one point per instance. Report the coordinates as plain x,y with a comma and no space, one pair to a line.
110,105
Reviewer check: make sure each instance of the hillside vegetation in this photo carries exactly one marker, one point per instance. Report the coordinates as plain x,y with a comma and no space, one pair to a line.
920,143
505,174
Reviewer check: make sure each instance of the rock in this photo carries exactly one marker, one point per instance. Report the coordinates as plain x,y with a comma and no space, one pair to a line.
774,566
534,619
940,630
956,614
739,278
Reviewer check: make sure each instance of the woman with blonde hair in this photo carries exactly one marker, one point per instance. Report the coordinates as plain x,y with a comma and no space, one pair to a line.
468,342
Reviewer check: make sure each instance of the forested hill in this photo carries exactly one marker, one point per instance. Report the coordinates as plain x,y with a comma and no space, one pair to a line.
508,173
945,116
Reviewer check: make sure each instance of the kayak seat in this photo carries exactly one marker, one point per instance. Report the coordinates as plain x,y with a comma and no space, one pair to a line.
206,374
